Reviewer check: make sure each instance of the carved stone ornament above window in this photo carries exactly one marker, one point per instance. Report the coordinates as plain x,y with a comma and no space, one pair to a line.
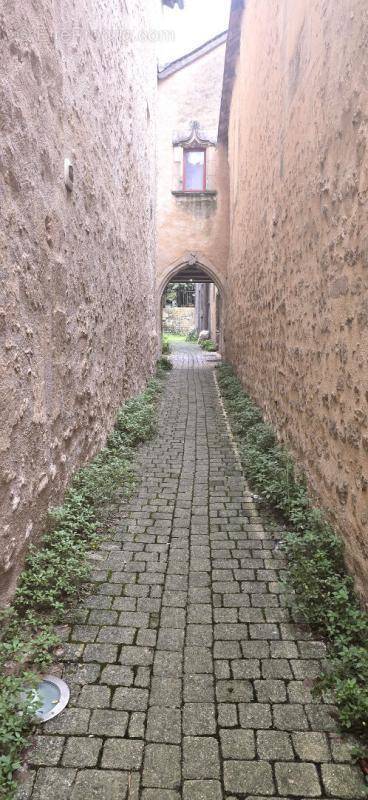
195,137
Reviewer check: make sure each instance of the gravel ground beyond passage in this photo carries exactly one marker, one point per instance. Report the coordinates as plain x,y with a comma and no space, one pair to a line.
190,680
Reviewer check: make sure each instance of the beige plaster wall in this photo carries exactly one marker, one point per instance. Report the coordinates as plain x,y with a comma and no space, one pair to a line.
77,311
297,322
191,224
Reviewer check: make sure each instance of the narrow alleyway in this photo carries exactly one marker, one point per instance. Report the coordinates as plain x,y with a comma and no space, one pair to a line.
189,677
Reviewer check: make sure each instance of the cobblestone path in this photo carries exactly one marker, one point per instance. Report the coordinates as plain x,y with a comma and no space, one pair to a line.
189,678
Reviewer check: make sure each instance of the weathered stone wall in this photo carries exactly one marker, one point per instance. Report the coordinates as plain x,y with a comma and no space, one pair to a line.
191,223
77,312
297,325
178,320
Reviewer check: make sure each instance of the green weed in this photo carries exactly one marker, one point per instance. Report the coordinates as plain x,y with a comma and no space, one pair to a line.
323,593
56,569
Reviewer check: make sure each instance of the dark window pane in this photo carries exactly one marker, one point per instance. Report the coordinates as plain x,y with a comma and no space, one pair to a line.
194,170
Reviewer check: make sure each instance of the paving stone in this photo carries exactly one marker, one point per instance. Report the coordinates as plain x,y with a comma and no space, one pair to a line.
94,697
124,604
53,782
132,656
227,715
270,691
108,723
237,744
25,785
129,699
134,619
177,599
198,688
198,659
199,635
103,617
163,725
137,725
202,790
72,652
341,747
166,663
162,768
257,649
290,718
160,794
234,691
245,777
311,746
298,692
164,621
343,781
322,718
199,719
115,635
70,721
81,751
312,649
82,673
93,784
170,639
173,618
123,754
84,633
117,676
47,751
102,653
200,614
283,650
226,631
201,758
305,669
255,715
246,668
274,746
297,780
166,691
264,631
226,650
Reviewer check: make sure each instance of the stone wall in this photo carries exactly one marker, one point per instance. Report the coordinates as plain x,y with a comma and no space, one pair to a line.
178,320
297,323
77,311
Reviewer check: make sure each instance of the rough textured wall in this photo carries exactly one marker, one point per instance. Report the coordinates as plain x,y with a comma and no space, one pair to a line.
178,320
189,223
77,313
297,327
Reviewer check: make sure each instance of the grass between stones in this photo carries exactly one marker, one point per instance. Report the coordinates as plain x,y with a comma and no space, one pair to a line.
321,591
57,567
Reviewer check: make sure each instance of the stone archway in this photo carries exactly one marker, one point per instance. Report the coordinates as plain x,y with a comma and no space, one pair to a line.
194,261
192,266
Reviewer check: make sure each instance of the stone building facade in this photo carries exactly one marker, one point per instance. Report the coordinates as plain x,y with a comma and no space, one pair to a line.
191,225
295,108
77,311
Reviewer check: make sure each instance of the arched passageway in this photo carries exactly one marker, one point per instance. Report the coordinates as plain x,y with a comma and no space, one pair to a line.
191,298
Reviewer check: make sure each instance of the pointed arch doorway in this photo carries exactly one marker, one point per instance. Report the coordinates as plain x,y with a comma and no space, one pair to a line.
208,292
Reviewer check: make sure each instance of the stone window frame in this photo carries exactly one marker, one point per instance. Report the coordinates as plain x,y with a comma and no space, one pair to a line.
197,140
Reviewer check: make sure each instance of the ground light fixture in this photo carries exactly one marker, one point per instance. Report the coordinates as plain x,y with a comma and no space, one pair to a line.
54,695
